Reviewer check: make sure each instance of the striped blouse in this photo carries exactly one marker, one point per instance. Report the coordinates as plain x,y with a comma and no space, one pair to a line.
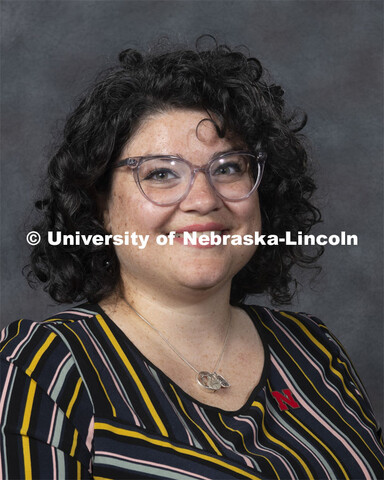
80,401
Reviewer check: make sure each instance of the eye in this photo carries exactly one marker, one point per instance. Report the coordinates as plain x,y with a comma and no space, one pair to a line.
229,168
161,175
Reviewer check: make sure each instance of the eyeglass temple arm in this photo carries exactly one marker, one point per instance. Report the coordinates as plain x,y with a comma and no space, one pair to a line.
130,162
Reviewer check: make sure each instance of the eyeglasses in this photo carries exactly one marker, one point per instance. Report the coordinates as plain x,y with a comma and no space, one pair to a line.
167,179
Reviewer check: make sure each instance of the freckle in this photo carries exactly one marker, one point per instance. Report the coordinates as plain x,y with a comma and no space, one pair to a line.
242,357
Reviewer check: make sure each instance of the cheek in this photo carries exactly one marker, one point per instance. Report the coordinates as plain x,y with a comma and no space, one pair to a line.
132,212
119,211
249,213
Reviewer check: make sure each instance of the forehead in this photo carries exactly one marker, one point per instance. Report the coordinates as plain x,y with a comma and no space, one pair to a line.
178,131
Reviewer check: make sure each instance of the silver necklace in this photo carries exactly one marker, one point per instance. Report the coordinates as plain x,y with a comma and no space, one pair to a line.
210,381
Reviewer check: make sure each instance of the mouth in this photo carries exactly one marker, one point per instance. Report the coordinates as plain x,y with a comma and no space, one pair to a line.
199,234
202,228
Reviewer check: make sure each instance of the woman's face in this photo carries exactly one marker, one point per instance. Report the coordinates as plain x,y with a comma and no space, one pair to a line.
178,267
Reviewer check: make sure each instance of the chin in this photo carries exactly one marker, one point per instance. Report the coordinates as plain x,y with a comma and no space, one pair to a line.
202,277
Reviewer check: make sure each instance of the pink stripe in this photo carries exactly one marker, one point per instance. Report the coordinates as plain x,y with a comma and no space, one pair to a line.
9,358
298,441
3,334
57,373
245,458
347,361
79,314
320,420
111,375
145,462
54,463
90,435
326,382
2,401
52,423
288,468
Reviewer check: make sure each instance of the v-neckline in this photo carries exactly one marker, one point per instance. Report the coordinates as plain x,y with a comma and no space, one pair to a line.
125,341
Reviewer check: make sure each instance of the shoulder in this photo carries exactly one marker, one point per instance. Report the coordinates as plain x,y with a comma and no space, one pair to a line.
39,349
45,391
303,345
292,327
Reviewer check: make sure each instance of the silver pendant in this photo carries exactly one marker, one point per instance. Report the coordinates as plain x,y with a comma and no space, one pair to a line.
212,381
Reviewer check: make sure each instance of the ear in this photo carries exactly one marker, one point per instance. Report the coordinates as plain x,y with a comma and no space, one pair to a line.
103,207
107,220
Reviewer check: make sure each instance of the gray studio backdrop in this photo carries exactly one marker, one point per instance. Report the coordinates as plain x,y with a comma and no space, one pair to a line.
326,54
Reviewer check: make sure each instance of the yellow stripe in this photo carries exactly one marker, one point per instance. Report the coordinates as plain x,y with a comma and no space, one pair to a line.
40,353
24,430
28,408
134,375
27,459
321,443
61,320
97,373
324,399
16,334
78,470
209,439
74,396
328,354
162,443
275,440
74,443
251,453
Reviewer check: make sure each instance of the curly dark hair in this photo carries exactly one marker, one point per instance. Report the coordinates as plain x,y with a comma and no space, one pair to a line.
231,87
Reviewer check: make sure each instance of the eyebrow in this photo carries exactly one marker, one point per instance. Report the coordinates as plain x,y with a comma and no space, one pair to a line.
233,149
215,154
221,152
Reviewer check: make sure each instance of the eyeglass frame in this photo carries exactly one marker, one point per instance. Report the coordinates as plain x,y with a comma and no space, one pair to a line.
135,162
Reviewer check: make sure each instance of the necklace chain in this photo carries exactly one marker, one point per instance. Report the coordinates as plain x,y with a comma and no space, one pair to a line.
210,381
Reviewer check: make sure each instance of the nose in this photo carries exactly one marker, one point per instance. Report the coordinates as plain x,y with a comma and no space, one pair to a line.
201,198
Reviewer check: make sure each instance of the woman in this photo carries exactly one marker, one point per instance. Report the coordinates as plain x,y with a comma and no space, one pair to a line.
165,372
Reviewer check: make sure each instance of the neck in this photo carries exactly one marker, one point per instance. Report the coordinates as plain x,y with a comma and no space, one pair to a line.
177,315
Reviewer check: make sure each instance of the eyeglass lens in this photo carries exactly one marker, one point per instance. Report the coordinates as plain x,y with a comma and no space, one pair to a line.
166,181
